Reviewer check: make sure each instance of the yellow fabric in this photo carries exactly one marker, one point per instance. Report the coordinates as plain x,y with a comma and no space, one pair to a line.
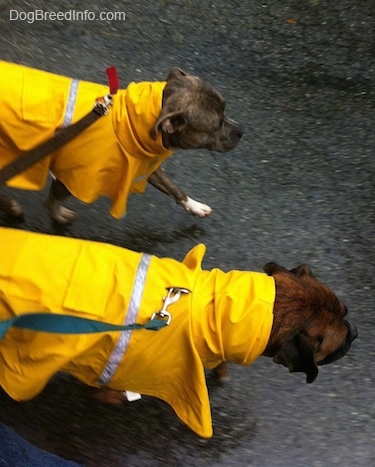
227,316
112,158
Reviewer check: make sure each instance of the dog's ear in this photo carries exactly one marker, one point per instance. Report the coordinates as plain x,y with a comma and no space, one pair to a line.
272,268
172,122
298,356
302,270
176,73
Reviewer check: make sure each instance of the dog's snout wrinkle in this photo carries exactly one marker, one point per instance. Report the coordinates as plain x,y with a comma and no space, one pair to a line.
351,335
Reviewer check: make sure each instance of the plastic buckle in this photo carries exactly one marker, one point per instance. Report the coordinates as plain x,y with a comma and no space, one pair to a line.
104,103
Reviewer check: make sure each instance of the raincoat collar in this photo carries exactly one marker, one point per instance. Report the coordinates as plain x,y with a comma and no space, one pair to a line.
135,111
242,315
232,313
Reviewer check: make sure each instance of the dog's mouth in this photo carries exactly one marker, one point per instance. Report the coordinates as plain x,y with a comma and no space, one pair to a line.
224,146
230,141
298,356
304,366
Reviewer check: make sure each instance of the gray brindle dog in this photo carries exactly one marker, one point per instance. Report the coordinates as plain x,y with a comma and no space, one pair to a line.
119,153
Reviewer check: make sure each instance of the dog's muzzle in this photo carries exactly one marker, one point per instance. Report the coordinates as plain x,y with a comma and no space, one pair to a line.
352,334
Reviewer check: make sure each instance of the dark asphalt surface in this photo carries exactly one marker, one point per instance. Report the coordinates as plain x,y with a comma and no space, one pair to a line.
299,188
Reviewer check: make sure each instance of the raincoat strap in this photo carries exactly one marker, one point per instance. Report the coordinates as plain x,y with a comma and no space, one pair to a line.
67,324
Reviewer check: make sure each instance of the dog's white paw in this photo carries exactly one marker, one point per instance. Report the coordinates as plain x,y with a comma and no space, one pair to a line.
61,215
196,208
15,209
64,216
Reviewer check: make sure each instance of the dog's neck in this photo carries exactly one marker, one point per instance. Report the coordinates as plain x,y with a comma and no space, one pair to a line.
232,316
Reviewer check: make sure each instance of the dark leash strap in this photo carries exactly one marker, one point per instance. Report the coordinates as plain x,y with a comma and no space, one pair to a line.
63,136
67,324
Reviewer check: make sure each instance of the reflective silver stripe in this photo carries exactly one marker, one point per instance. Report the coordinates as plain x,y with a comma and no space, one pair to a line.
140,178
130,318
69,111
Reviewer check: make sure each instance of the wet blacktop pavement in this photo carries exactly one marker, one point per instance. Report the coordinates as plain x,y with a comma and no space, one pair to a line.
298,189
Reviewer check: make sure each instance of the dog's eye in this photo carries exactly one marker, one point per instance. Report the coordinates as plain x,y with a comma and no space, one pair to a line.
320,339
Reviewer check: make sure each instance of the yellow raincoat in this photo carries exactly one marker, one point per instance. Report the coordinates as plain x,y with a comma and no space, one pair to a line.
112,158
227,316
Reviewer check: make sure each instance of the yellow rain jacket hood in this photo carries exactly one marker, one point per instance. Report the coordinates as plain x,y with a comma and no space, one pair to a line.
226,316
113,157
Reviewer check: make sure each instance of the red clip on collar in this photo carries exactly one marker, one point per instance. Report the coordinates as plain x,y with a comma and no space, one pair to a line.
113,79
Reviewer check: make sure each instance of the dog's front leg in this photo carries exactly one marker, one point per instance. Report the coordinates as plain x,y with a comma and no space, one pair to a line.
109,396
57,194
221,372
160,180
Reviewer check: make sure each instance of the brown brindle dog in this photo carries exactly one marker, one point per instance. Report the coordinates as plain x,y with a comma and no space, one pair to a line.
207,317
121,152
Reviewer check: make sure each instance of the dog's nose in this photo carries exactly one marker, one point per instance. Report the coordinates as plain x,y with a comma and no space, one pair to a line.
240,131
352,331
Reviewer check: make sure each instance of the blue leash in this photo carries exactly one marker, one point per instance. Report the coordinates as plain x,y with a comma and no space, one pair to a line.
66,324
